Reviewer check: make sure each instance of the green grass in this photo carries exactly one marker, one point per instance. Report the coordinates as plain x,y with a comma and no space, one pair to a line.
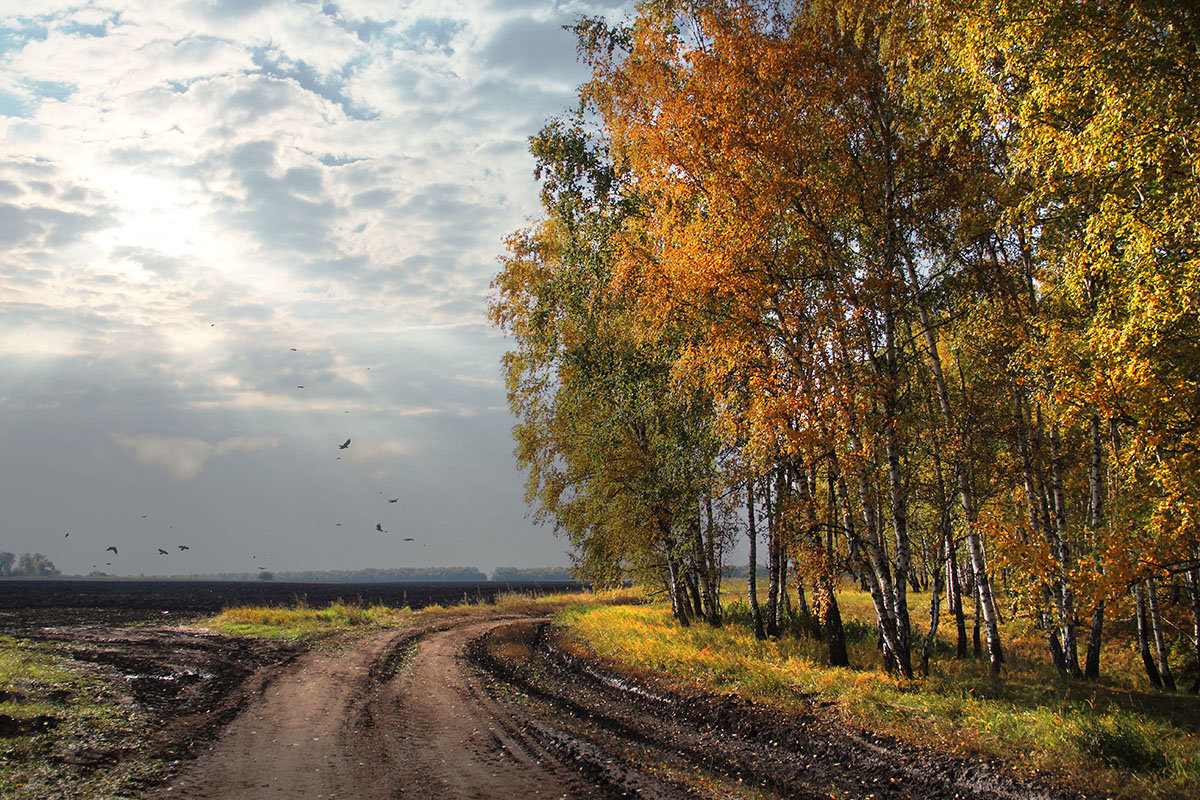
1112,737
86,715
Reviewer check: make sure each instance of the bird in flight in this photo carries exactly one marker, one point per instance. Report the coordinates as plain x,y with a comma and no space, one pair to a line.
183,547
162,552
67,535
408,539
114,550
301,386
145,515
292,349
394,500
344,445
337,524
379,527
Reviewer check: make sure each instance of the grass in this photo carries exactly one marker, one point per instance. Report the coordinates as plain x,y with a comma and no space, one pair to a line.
1112,737
67,713
302,622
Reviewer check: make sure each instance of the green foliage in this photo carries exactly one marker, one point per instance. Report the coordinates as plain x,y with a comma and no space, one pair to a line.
34,565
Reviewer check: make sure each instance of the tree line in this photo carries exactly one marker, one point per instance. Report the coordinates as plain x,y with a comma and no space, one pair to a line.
28,565
911,285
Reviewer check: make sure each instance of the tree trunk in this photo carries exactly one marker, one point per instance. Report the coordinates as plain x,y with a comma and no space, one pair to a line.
784,608
954,595
898,503
712,571
1053,643
966,495
693,593
1091,665
1067,611
976,647
772,563
752,584
935,612
811,540
1143,637
1160,642
703,574
677,592
1193,580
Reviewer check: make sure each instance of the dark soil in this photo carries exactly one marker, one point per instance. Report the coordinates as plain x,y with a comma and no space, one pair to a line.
117,595
603,719
189,684
464,708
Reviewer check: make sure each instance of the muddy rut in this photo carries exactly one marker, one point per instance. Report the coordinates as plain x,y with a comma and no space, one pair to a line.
498,709
393,716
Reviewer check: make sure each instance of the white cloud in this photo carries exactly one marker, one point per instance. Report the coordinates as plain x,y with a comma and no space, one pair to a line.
368,452
192,188
184,457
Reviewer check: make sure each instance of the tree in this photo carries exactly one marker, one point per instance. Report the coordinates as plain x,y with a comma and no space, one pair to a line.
35,565
619,456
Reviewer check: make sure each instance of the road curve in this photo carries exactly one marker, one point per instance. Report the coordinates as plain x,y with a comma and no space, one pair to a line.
390,716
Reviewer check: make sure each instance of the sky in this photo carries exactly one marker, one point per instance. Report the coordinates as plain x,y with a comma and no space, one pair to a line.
206,205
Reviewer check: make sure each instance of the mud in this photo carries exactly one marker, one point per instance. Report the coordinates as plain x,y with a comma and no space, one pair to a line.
190,683
594,716
468,708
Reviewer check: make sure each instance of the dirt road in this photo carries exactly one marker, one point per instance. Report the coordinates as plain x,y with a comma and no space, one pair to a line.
388,717
498,709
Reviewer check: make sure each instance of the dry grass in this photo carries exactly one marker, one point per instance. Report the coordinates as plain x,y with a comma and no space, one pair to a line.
1113,737
301,621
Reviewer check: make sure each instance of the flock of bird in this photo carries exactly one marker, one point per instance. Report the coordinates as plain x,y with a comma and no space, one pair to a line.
183,547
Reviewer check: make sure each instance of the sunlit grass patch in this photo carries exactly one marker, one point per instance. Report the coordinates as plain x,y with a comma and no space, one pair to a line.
1106,737
301,621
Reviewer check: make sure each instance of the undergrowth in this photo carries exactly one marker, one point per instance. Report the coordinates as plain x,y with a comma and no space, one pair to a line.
1110,737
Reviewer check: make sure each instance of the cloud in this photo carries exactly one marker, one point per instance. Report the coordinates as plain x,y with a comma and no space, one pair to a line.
369,452
193,189
184,457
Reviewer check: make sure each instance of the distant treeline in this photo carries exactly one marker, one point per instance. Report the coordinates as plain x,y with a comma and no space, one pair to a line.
375,574
743,571
32,564
532,574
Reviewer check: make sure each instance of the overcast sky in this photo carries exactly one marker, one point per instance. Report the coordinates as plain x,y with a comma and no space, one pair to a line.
207,204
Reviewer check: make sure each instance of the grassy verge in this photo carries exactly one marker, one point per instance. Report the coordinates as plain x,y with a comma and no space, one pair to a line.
1109,737
302,622
56,718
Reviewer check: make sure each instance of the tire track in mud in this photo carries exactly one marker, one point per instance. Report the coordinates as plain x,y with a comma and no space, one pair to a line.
396,715
725,743
475,709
